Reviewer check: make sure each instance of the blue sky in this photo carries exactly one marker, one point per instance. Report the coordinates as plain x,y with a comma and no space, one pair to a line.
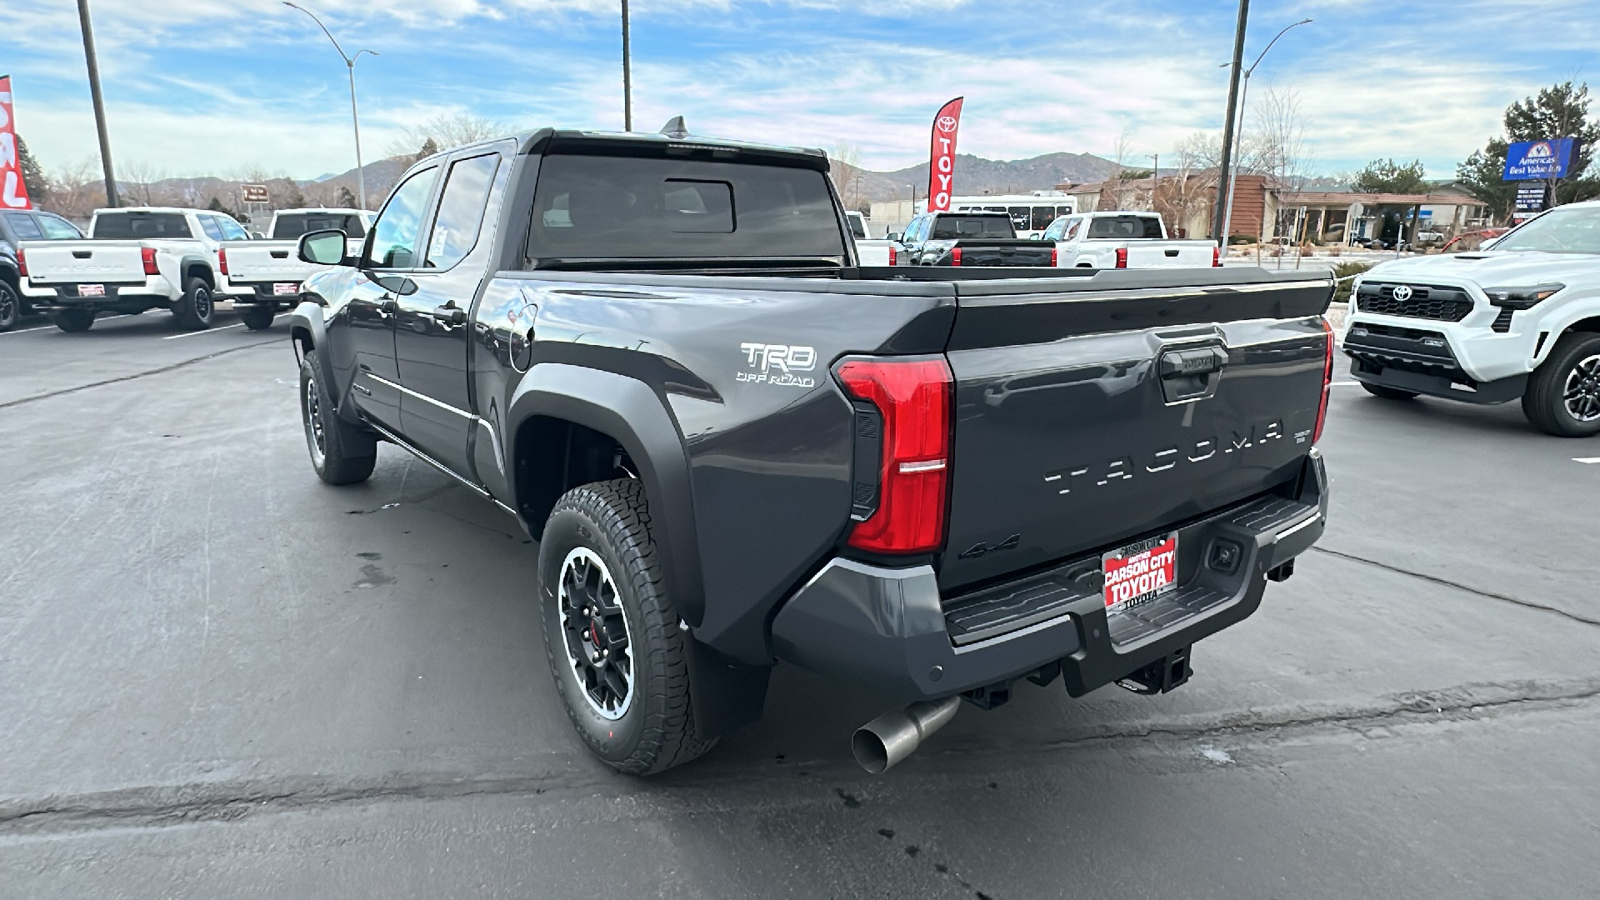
225,86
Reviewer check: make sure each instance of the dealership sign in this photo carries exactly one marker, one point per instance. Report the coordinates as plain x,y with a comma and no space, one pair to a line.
1530,160
942,156
13,191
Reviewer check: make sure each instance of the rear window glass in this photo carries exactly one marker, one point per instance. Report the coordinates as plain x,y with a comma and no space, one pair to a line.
120,225
291,226
858,228
1125,227
609,207
948,228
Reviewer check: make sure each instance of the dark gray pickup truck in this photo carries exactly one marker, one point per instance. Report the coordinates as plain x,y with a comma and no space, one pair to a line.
738,447
969,239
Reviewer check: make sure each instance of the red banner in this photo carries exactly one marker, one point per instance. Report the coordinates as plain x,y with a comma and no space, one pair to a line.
13,192
942,156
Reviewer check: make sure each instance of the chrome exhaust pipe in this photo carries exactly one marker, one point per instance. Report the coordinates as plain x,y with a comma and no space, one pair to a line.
896,734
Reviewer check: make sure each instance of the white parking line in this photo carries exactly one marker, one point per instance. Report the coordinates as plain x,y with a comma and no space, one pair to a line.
1587,460
173,337
26,330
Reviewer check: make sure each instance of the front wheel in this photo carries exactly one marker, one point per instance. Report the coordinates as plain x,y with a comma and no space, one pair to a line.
72,320
257,318
1563,396
611,633
1387,393
340,452
10,306
196,308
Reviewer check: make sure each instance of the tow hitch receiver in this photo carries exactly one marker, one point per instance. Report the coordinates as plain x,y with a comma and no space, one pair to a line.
1160,676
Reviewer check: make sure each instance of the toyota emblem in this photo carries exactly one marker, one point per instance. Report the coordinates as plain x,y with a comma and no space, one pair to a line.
947,123
1402,292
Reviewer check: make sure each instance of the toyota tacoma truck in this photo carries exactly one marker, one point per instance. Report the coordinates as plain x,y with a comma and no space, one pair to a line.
968,239
1517,320
264,275
1125,240
738,447
136,258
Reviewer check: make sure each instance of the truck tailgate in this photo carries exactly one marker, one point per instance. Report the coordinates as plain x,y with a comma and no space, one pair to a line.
62,262
251,262
1089,416
1169,254
1006,253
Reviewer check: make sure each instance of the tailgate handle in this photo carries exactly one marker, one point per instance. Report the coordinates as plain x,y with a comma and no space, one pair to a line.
82,254
1172,254
279,254
1191,374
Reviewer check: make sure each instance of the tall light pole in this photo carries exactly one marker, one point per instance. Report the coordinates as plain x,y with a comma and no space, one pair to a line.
99,104
1155,178
1244,93
627,74
355,120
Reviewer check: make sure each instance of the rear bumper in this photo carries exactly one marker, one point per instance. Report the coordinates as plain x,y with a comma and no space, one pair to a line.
890,629
253,293
154,290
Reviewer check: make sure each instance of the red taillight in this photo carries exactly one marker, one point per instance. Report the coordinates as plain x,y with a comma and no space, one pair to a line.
1327,383
222,260
1216,257
913,397
955,256
1122,257
1052,257
893,256
148,254
22,263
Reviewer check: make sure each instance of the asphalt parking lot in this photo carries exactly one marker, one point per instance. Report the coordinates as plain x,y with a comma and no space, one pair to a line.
221,678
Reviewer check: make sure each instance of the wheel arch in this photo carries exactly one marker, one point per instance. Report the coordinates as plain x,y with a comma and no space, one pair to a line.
1581,315
195,266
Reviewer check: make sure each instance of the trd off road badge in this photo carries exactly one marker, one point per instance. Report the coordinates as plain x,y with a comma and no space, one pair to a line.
778,364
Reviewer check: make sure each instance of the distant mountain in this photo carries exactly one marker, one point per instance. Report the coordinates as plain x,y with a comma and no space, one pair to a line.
976,175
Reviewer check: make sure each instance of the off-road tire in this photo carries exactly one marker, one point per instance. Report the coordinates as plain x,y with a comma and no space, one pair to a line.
656,732
346,454
1387,393
257,318
10,306
1544,401
197,308
73,320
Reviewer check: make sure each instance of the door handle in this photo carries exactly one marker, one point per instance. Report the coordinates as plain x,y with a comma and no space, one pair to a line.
1191,374
451,314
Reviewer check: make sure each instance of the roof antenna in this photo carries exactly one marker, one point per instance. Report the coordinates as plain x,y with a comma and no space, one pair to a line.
675,128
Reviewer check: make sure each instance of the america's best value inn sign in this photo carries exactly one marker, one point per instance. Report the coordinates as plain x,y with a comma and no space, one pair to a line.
1531,160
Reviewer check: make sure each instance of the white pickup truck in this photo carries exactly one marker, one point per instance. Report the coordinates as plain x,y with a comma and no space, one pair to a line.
1120,239
871,252
265,275
1519,319
136,258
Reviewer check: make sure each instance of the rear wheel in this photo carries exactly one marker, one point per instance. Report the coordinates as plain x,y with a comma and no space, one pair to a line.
10,306
340,452
1387,393
73,319
257,318
196,308
611,633
1563,396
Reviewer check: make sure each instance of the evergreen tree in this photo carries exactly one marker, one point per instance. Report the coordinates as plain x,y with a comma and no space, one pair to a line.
347,199
429,148
33,178
1385,176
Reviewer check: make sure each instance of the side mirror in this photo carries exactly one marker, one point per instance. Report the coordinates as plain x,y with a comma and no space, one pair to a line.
257,236
893,236
325,248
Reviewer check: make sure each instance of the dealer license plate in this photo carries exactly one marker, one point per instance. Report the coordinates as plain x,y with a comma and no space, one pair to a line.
286,287
91,290
1139,573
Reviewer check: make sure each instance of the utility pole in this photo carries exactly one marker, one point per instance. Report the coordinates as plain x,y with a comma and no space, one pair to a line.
1155,178
627,74
1224,199
99,103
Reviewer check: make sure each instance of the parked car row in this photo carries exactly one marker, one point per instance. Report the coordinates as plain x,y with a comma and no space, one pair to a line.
141,258
1096,240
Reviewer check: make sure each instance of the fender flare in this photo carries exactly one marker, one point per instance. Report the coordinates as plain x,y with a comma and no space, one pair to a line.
1574,312
306,321
633,414
188,263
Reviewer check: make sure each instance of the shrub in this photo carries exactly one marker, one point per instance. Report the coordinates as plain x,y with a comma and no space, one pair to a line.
1341,293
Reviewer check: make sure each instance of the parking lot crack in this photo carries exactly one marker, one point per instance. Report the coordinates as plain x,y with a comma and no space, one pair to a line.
1491,595
133,376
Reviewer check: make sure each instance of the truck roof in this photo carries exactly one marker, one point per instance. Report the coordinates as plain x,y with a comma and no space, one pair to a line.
158,209
324,210
540,140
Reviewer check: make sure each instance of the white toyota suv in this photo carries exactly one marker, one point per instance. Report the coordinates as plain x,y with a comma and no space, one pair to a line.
1518,319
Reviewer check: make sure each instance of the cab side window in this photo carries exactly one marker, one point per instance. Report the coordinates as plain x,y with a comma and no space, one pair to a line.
231,230
212,229
24,226
394,235
466,193
57,228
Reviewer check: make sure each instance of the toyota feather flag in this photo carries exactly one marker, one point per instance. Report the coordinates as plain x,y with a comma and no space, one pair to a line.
13,192
942,156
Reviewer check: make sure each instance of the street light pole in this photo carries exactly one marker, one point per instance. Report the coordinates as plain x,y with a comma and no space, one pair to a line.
1155,178
99,103
627,74
1244,94
355,119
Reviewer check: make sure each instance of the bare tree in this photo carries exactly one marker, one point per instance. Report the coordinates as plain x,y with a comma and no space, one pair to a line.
77,189
1121,187
846,171
139,183
445,131
1191,188
1278,147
